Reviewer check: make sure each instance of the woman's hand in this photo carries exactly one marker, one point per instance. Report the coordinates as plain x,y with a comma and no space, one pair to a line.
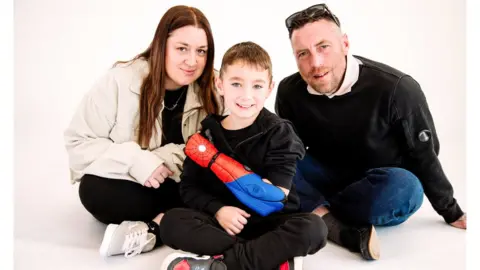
158,176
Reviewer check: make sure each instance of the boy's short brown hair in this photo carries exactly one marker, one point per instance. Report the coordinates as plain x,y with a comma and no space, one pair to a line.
248,53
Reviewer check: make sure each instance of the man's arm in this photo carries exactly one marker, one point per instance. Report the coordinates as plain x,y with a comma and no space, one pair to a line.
411,116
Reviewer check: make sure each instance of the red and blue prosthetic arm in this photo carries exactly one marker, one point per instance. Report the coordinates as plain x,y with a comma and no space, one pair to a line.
248,187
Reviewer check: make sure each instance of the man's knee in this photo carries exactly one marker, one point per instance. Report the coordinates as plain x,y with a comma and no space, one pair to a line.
406,183
396,181
399,195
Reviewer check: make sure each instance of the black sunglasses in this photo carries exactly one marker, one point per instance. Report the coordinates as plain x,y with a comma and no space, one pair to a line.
315,12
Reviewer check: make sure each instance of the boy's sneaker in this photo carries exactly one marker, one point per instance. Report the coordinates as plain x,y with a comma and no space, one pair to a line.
292,264
129,238
189,261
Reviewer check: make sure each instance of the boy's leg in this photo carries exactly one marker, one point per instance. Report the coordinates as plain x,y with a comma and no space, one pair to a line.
194,231
285,237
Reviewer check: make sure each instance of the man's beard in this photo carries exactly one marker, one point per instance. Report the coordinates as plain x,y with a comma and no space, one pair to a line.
327,89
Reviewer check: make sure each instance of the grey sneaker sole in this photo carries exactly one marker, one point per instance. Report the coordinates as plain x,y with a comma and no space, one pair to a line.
107,238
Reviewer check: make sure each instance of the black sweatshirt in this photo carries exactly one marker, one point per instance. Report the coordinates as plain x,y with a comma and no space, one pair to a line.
269,147
384,121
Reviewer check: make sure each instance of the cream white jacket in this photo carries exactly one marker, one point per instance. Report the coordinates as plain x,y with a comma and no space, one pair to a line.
102,136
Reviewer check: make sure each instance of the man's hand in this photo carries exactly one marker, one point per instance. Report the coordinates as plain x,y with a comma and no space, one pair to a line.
286,191
461,223
158,176
232,219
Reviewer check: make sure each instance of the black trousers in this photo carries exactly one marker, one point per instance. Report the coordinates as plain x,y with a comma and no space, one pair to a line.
115,201
263,244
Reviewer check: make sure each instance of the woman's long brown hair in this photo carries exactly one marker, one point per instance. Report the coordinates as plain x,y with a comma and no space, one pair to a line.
152,89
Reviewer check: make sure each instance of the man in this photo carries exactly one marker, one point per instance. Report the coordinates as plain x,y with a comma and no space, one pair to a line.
371,141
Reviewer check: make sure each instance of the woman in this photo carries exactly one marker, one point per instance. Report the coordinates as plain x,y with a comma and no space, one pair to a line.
125,142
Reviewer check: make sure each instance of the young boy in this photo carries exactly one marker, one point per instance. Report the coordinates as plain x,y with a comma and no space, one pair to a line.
218,224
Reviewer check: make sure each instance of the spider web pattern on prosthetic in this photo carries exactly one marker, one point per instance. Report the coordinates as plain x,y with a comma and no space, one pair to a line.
202,151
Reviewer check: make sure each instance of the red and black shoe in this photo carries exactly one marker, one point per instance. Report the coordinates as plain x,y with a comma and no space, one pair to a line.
292,264
189,261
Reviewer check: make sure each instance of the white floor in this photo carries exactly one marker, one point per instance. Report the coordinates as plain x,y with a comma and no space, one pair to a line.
53,231
70,239
62,47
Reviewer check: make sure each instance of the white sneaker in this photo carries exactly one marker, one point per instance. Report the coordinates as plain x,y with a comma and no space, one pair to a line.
130,238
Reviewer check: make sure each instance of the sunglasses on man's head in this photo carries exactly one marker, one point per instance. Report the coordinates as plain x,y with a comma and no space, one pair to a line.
315,12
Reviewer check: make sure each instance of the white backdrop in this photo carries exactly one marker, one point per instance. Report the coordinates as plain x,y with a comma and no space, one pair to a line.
63,46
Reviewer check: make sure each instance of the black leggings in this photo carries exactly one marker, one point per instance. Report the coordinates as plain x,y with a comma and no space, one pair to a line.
115,201
264,243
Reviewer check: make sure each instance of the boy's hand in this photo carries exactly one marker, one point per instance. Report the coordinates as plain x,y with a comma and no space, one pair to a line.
286,191
232,219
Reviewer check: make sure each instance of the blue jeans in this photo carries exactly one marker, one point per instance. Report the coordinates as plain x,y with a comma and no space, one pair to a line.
379,196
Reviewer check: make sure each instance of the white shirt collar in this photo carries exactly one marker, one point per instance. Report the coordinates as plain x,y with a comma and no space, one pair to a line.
351,77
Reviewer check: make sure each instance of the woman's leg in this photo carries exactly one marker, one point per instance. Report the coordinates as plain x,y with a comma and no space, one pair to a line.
114,201
129,208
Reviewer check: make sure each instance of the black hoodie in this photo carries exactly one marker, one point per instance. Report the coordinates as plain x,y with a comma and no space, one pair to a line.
384,121
270,148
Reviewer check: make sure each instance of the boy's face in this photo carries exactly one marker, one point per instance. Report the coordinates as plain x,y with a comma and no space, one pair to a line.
244,88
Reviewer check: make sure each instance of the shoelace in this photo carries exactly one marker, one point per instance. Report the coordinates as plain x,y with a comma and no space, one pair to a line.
135,242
